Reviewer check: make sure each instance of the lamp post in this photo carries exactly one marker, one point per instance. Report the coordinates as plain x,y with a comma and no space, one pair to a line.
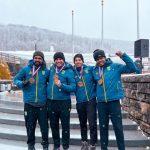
102,31
138,28
138,33
35,46
72,33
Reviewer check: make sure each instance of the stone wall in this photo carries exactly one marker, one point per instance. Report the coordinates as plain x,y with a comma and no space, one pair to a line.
137,99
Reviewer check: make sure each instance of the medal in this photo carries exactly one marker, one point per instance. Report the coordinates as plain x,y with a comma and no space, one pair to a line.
100,81
55,77
80,84
80,73
31,80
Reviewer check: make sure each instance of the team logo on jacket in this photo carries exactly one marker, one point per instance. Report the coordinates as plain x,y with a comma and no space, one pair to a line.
97,73
30,72
108,68
43,73
86,71
63,72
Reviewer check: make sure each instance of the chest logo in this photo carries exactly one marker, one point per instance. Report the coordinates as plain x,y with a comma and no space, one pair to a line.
63,72
108,68
86,71
43,73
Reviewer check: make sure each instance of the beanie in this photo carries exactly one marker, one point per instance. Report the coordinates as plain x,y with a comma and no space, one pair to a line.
98,53
78,56
38,53
59,55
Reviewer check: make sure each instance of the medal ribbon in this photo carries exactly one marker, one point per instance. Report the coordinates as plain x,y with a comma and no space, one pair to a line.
60,69
100,71
102,76
35,71
79,74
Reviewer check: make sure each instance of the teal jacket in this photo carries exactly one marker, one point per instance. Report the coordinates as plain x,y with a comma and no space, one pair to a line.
66,76
85,85
111,89
36,92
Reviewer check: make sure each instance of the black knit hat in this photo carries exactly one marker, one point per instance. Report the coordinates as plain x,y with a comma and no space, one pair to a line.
59,55
78,56
38,53
98,53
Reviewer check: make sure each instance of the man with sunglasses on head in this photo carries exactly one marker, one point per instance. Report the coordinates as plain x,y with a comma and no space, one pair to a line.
32,79
109,93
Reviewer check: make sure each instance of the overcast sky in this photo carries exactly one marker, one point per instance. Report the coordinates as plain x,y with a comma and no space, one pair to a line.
119,16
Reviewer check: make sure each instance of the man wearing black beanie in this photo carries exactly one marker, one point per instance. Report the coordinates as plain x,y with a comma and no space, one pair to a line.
61,84
59,55
109,93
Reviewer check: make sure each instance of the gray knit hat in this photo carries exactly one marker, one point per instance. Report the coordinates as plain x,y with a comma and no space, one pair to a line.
38,53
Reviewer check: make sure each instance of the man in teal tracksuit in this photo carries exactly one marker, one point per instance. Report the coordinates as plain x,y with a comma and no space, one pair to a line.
32,79
109,92
61,84
86,101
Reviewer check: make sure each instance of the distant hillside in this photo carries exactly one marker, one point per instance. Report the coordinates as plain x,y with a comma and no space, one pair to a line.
24,38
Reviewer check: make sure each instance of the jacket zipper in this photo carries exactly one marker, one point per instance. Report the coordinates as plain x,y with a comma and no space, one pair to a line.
36,99
104,88
85,88
53,90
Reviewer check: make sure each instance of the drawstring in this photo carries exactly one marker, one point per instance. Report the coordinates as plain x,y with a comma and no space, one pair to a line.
104,87
85,87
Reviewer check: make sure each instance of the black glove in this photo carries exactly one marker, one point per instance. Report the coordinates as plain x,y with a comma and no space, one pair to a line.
25,82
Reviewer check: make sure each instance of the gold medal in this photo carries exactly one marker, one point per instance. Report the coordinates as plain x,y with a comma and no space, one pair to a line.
80,84
100,81
31,80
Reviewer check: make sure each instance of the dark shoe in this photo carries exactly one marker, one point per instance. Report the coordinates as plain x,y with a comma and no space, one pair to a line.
56,148
31,147
45,147
92,147
84,146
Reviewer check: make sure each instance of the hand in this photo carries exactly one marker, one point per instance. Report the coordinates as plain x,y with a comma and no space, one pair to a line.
119,53
58,83
25,82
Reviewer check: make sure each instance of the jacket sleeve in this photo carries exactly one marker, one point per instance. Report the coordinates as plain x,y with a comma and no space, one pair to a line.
47,75
129,66
71,86
18,80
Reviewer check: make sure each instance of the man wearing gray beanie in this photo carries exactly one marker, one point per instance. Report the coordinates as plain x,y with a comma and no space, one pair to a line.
32,79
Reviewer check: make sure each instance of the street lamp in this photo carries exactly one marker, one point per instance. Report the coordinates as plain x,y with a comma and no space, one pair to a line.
138,33
35,46
72,33
102,31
